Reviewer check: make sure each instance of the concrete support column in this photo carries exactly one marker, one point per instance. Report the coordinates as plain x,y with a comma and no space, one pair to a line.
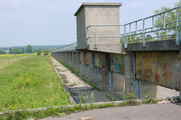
73,60
69,59
59,56
77,62
105,79
83,54
129,73
91,67
65,57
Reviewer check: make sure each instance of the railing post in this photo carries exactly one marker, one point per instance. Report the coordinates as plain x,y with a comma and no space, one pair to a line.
153,22
135,29
163,20
95,46
125,44
143,32
176,30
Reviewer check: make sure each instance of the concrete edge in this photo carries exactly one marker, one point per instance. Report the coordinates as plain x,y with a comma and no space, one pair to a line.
89,104
71,100
46,108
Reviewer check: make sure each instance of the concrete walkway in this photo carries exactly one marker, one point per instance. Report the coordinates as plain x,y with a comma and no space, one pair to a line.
143,112
77,87
69,79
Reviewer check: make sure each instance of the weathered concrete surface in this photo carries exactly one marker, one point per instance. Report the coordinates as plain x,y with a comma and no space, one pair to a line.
159,45
142,112
166,92
129,74
70,80
110,48
119,82
161,68
154,89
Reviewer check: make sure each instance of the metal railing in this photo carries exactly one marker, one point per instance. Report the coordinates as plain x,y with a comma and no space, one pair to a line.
70,47
155,31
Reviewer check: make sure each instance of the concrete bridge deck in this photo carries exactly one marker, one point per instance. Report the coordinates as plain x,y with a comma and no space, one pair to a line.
135,61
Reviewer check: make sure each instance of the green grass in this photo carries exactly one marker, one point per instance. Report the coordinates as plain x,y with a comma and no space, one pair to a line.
29,82
106,105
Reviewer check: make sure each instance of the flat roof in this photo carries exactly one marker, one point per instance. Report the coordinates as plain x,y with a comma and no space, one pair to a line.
97,4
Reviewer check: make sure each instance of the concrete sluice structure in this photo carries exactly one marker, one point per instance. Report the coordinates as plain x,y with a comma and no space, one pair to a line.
105,62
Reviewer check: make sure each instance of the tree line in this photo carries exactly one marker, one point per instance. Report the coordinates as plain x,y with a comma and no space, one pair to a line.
15,50
28,49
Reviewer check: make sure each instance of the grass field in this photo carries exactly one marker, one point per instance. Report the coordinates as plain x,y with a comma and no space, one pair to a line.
29,81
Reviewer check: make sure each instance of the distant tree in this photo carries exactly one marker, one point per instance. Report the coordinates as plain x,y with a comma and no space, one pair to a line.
45,52
16,51
52,49
1,51
38,53
23,50
10,50
29,49
169,18
39,50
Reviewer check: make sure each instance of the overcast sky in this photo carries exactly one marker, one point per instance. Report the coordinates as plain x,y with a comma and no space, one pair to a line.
52,22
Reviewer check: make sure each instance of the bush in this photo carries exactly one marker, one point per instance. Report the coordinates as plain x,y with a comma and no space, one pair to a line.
45,52
131,98
38,53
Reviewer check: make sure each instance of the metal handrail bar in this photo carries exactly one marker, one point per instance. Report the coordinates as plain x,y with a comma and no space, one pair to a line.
143,31
162,12
134,22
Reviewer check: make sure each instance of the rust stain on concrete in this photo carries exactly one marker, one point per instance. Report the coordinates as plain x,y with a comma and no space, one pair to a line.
162,68
157,77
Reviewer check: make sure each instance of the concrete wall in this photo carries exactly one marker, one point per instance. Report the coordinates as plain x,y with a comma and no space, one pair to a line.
118,82
102,15
80,21
98,14
154,89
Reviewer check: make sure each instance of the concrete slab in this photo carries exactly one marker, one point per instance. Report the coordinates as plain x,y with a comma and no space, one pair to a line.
70,80
166,92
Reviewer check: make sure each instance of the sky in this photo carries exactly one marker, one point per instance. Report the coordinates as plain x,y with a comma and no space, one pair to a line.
52,22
